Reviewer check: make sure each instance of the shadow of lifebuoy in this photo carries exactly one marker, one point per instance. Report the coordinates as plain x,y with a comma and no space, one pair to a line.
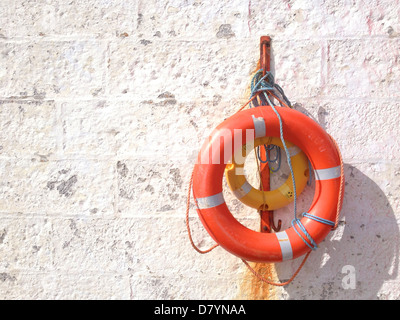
359,257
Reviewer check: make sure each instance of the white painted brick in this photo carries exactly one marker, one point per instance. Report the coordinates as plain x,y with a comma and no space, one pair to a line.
360,68
97,128
101,245
354,122
122,246
170,288
28,18
46,69
105,104
298,74
28,129
205,68
316,19
194,20
158,189
137,129
98,18
53,187
283,19
374,185
149,137
91,286
163,188
25,244
389,291
370,247
167,240
365,18
280,19
84,18
297,67
62,286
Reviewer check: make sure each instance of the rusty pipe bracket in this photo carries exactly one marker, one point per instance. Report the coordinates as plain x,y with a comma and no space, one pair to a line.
265,53
267,216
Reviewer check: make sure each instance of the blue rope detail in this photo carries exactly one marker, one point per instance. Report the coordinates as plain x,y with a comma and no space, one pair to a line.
319,219
296,222
260,83
264,84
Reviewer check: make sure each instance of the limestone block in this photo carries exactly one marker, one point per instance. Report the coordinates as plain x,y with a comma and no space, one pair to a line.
147,70
61,286
170,288
360,68
29,129
283,19
75,18
98,129
157,188
198,20
297,67
104,105
96,245
63,187
157,246
34,69
352,123
166,238
25,244
149,130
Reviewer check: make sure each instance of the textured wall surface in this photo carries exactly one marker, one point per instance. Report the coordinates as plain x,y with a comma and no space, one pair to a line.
104,106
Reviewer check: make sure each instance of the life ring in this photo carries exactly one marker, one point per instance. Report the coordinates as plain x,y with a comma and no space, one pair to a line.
213,212
273,199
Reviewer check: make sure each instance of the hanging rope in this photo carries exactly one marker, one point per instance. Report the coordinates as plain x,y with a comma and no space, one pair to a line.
340,196
266,84
278,284
187,220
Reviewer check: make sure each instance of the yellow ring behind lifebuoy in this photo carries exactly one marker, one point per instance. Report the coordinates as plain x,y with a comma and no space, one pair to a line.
274,199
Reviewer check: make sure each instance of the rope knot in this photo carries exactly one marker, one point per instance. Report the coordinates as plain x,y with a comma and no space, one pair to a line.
296,222
265,84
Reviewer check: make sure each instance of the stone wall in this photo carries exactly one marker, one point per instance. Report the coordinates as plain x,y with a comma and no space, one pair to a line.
104,106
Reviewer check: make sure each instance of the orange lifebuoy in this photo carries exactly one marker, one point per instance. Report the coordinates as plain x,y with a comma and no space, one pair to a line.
208,173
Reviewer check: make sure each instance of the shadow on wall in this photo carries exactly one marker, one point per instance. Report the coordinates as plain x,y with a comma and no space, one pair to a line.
359,257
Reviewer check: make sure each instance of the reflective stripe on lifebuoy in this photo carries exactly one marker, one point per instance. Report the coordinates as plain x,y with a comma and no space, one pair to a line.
267,200
241,241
